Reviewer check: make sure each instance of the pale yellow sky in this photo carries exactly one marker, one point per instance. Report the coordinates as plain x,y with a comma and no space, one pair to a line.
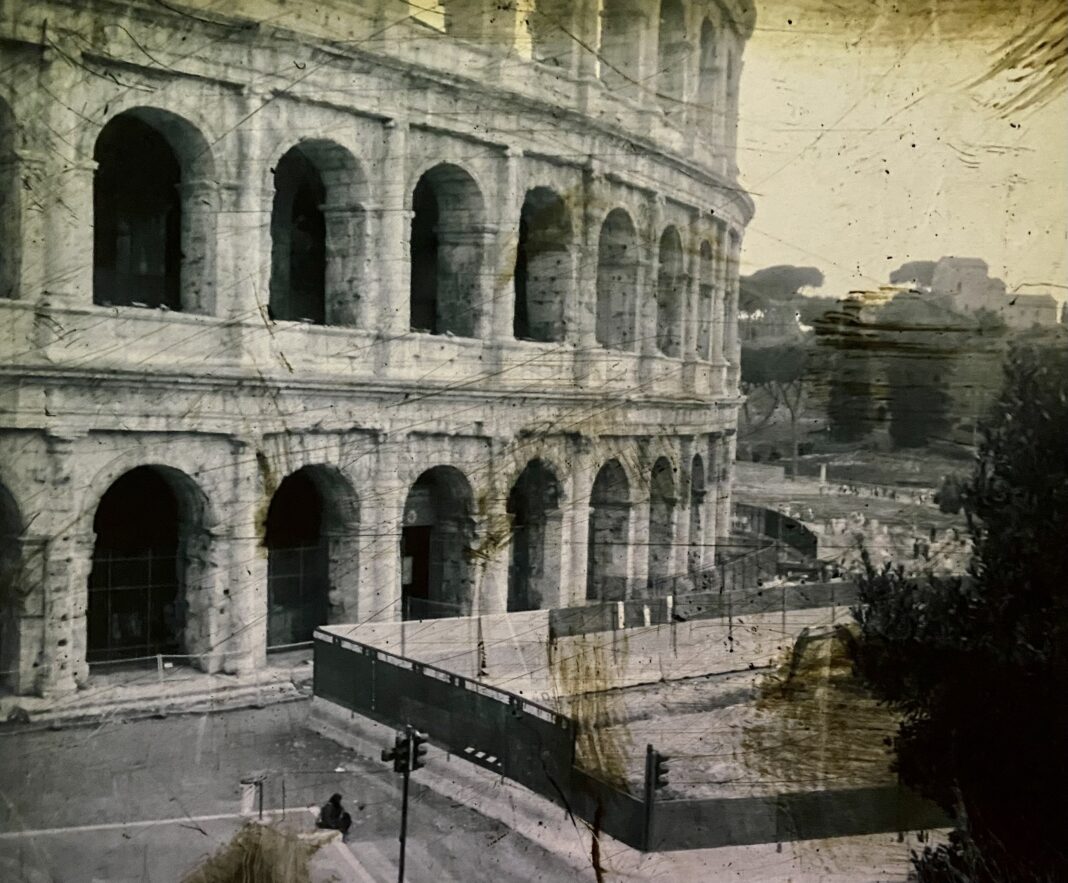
864,149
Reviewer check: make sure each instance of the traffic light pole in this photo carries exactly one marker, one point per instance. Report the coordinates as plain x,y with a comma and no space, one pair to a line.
408,753
650,795
404,826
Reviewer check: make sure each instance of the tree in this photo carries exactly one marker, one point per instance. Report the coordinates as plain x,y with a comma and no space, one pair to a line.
978,665
780,368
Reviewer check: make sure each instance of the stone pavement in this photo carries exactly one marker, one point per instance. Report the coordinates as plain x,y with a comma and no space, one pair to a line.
151,692
882,857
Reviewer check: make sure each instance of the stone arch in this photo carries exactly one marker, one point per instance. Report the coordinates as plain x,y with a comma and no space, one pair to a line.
706,294
707,77
447,233
12,592
617,281
436,539
318,235
696,553
622,23
10,206
550,26
671,56
608,544
153,213
312,557
535,516
670,293
150,588
543,279
662,504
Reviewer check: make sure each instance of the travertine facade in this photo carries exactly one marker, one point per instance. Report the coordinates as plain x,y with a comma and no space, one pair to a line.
403,311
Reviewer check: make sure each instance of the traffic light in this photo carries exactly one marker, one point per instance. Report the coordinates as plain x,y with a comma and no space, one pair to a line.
398,753
418,748
660,769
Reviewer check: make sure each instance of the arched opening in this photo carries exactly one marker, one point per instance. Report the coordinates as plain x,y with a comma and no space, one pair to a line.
550,25
671,56
150,561
542,267
621,41
298,242
152,215
311,539
706,78
446,253
10,591
670,294
661,521
706,293
317,235
534,568
696,557
617,281
10,206
608,544
436,546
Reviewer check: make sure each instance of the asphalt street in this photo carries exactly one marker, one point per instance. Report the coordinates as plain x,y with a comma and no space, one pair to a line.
148,800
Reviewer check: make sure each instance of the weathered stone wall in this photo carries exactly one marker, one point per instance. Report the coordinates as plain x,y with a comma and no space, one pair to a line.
229,402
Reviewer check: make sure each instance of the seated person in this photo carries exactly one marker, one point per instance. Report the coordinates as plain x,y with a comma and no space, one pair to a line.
333,815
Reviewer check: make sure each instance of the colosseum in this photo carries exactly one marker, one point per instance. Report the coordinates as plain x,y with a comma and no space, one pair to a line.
357,309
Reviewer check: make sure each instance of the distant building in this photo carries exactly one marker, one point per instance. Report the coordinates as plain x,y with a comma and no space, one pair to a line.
969,283
770,322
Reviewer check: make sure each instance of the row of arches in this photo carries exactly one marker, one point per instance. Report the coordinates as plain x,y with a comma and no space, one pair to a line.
153,233
152,589
621,26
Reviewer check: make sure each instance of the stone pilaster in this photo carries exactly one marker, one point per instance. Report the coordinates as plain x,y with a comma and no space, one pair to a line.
501,249
243,557
575,526
382,517
391,242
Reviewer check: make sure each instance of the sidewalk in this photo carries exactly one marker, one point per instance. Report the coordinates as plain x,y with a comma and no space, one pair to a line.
139,693
881,857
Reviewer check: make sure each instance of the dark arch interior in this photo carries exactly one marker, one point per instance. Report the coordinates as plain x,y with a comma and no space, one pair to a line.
137,217
542,267
534,505
435,546
298,562
446,253
10,209
609,535
706,82
706,302
10,563
672,54
298,242
136,604
670,295
695,558
617,268
424,249
619,49
661,521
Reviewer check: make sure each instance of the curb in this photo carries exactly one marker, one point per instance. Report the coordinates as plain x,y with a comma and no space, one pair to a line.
230,698
529,816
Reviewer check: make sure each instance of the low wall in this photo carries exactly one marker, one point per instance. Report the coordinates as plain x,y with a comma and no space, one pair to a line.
805,815
519,652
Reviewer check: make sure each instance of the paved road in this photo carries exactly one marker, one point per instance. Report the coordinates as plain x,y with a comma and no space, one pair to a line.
87,793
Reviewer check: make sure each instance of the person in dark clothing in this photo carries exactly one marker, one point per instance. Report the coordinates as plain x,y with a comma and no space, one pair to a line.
333,815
